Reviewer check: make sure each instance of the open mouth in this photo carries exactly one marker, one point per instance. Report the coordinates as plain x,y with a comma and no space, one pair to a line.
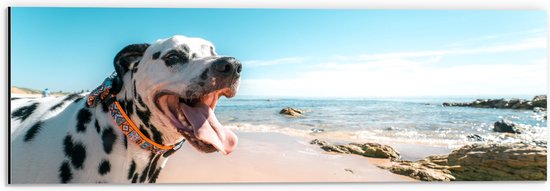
194,118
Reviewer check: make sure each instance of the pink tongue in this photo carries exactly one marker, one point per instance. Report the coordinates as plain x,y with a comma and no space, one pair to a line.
207,128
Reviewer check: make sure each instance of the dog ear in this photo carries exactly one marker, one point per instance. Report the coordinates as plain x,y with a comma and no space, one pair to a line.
125,60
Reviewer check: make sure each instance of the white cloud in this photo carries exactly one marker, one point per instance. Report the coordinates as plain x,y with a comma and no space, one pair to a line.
409,74
526,44
403,55
541,32
356,80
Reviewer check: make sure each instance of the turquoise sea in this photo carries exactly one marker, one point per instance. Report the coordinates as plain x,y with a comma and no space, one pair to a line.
419,120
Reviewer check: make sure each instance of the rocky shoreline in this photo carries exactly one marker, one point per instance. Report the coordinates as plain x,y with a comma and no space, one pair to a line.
479,162
537,102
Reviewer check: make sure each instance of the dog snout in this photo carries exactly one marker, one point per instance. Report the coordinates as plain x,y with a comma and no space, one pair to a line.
227,66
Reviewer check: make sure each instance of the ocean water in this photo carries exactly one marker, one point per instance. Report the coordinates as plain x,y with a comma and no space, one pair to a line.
404,120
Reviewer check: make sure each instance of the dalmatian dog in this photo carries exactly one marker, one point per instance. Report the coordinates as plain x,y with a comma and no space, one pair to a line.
169,89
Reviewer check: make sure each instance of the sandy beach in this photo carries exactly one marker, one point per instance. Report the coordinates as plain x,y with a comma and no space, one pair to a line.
273,157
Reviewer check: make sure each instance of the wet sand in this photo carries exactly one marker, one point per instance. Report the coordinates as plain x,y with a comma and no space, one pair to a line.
273,157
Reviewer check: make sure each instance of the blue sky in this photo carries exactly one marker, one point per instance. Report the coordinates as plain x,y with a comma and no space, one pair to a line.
293,52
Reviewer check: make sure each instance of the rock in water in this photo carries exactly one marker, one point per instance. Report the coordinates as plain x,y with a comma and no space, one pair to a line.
475,137
537,101
480,162
317,130
390,128
318,142
291,112
364,149
507,126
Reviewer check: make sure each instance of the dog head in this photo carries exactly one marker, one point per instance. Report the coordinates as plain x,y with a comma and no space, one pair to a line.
174,85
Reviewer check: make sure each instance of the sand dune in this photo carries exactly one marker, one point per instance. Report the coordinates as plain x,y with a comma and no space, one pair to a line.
19,90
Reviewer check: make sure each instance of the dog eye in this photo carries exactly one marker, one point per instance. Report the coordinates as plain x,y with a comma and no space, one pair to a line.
173,56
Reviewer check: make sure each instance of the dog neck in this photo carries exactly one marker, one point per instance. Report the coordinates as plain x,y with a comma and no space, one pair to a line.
138,165
137,109
124,99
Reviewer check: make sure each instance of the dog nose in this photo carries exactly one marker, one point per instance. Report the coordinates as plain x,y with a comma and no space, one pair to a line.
227,66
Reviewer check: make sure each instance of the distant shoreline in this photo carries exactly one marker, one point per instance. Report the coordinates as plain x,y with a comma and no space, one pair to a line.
22,90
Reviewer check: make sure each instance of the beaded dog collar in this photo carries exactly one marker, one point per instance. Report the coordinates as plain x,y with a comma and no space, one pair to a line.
124,123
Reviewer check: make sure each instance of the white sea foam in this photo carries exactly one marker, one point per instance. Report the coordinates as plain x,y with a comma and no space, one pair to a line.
442,139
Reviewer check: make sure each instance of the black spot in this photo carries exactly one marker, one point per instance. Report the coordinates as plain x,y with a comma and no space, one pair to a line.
79,155
78,99
153,166
125,142
168,153
68,145
144,175
32,131
155,175
122,103
75,151
186,48
104,167
65,173
134,179
144,132
57,106
132,169
70,97
129,107
97,127
140,101
174,57
204,74
135,67
157,135
212,51
14,98
84,116
146,169
201,83
144,115
108,137
156,55
135,91
66,99
24,112
104,107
